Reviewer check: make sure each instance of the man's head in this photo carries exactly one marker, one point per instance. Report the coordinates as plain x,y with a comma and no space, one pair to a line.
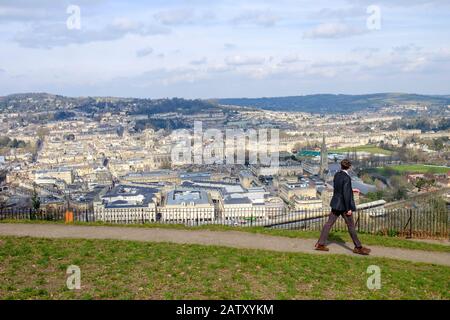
345,164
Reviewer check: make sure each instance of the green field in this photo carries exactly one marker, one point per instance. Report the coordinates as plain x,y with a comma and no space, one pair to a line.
366,148
368,239
32,268
412,168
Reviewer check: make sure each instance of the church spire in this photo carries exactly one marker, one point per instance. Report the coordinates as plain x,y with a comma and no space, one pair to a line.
323,170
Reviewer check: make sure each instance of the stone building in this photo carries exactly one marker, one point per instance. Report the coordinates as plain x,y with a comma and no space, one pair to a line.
127,204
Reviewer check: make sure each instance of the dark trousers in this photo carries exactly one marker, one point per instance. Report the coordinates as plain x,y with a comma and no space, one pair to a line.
334,215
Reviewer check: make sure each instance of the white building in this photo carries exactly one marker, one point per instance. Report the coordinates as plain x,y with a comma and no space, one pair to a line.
182,206
127,204
65,174
304,203
233,202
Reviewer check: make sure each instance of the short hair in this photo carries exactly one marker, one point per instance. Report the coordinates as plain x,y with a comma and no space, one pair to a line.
346,164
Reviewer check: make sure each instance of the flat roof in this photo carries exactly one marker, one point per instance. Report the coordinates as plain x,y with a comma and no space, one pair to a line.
178,197
150,173
60,169
124,191
244,200
298,185
190,175
246,173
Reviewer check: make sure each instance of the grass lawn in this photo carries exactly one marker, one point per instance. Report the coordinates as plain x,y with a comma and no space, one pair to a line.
367,239
33,268
367,148
413,168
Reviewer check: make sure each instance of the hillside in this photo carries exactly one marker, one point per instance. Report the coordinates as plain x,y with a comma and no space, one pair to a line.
44,102
318,103
35,268
340,103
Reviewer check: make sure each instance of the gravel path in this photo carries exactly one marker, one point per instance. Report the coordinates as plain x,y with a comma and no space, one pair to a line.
433,241
233,239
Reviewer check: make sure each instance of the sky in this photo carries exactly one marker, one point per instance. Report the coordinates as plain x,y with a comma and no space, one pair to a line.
224,48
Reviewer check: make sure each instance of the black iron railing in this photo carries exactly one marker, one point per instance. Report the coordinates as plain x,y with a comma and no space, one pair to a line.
412,223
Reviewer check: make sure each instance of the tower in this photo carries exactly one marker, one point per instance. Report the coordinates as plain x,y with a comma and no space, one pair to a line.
323,170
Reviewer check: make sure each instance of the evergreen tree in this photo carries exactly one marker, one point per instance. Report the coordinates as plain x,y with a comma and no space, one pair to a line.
36,201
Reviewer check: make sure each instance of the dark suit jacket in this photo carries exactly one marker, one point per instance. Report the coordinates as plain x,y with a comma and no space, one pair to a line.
343,193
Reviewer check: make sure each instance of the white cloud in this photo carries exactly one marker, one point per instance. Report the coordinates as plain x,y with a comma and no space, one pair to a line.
255,17
175,16
333,31
340,13
238,60
21,14
219,68
165,77
401,3
39,10
292,58
233,37
144,52
185,17
334,64
56,34
229,46
406,48
200,61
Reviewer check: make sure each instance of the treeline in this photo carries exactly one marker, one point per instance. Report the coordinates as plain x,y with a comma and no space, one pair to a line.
6,142
55,116
398,191
337,103
177,105
146,106
424,124
61,107
157,124
36,102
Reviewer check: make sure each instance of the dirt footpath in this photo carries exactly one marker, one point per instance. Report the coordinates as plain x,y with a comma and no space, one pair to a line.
233,239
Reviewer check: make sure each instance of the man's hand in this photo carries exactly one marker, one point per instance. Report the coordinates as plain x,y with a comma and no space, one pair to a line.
349,213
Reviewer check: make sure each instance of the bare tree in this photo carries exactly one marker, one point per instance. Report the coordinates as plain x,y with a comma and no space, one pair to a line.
3,202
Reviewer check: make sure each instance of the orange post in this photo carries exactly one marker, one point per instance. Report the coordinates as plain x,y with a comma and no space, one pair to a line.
69,216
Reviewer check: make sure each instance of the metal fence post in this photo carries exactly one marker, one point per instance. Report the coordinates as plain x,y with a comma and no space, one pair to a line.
357,220
410,235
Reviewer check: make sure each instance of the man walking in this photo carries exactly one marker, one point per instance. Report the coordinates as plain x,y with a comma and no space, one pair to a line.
342,204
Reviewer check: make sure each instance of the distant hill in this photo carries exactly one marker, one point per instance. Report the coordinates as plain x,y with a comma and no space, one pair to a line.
336,103
44,102
318,103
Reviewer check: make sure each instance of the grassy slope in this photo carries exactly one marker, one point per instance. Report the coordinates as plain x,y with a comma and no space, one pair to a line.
367,239
367,148
420,168
415,168
32,268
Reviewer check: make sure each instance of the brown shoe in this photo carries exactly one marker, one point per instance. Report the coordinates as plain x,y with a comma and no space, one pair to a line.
364,251
321,247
